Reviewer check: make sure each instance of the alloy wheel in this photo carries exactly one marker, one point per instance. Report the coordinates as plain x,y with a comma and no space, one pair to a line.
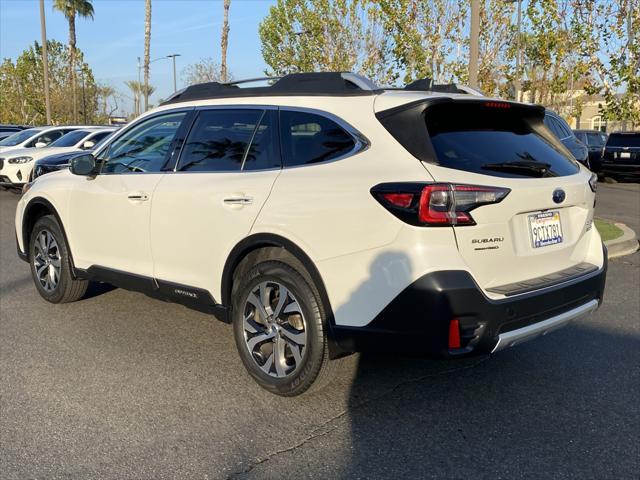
274,329
47,261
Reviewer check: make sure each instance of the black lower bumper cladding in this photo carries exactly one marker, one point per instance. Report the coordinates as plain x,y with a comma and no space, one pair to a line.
417,320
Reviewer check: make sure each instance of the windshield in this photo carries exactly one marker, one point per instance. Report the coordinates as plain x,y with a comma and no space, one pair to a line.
624,140
19,137
497,139
70,139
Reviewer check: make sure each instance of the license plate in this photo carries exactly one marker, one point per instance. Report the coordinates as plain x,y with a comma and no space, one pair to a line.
625,154
545,229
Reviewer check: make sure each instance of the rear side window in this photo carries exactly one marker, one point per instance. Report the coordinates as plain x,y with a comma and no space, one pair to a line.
46,138
505,142
308,138
70,139
227,140
624,140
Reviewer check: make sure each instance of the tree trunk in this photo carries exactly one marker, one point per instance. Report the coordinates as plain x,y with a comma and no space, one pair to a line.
224,41
147,51
72,66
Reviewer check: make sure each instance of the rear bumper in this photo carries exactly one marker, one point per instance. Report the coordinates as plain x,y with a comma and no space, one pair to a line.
621,169
417,320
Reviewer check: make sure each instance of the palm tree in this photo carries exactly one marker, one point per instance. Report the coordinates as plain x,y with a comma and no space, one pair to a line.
147,51
138,90
224,41
70,9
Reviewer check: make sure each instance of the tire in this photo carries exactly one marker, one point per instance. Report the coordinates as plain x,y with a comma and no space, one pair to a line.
52,272
287,353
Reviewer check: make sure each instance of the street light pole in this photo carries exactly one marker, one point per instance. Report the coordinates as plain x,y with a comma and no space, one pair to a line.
518,84
474,35
139,89
173,57
84,98
45,62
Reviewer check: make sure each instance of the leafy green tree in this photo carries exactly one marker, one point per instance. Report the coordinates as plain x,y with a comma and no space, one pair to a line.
22,86
325,35
72,9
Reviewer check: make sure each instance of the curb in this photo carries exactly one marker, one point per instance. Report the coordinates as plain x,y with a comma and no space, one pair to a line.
624,245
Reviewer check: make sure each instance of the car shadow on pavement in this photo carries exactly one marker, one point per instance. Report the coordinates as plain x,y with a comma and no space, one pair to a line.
96,289
549,408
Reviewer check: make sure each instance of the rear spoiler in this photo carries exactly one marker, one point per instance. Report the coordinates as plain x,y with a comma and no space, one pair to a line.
408,126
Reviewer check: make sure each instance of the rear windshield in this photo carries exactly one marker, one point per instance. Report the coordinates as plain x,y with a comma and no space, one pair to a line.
19,137
496,139
624,140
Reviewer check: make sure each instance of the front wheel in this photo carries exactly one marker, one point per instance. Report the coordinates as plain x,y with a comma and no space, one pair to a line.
51,263
280,330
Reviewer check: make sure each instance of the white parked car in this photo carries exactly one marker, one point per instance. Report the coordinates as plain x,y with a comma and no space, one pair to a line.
29,139
323,215
16,165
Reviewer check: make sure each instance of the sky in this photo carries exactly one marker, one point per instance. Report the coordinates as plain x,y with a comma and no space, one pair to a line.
115,38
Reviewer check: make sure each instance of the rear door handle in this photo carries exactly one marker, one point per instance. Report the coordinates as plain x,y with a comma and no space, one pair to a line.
238,200
138,196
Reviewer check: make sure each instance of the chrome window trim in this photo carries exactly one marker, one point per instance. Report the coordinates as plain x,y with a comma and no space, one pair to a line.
134,124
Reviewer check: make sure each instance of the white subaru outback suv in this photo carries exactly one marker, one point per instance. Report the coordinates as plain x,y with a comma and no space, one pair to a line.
323,215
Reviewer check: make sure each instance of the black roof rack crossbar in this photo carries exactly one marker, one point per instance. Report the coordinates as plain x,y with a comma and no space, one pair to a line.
252,80
309,84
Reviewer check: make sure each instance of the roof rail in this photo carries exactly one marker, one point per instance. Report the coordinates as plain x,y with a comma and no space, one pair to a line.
312,83
427,85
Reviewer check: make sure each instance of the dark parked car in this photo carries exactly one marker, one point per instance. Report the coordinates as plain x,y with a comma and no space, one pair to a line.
621,155
11,129
53,163
595,141
561,129
60,161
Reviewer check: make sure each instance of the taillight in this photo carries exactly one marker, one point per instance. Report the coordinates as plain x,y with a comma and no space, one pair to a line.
436,204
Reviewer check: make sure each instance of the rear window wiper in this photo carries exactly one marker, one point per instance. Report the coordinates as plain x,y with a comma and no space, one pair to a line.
531,169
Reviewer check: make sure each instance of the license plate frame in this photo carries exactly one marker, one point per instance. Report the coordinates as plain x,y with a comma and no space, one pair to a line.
545,228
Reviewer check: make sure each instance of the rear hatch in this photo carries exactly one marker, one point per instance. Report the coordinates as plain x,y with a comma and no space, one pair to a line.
540,227
622,148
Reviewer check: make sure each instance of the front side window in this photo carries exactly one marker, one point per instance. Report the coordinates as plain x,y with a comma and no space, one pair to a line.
308,138
228,140
144,148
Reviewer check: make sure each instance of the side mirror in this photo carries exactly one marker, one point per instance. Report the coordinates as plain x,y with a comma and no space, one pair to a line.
83,165
89,144
41,145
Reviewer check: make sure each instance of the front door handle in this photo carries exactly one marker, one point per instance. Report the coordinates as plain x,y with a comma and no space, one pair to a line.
238,200
138,196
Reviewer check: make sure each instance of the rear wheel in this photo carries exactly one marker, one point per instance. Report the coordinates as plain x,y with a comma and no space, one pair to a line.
280,330
51,264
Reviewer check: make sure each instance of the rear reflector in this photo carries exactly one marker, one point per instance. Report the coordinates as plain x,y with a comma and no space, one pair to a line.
436,204
454,334
402,200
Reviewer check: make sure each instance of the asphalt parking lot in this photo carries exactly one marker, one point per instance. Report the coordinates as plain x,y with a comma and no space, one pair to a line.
122,386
